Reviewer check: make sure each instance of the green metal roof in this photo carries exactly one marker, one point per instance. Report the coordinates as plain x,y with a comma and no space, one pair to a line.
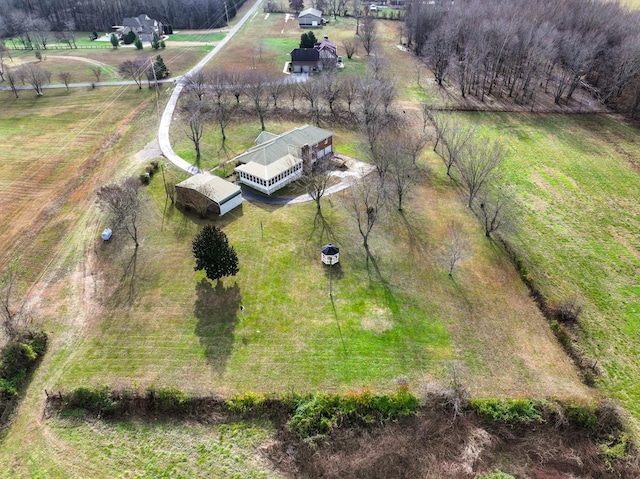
272,150
211,186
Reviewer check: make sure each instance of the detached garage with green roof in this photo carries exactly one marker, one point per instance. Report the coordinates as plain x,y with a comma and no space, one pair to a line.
278,160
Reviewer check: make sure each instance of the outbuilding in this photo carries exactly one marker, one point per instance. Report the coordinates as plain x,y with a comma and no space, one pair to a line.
204,192
310,17
330,254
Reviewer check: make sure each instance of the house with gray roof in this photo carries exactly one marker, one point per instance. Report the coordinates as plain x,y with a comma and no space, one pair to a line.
143,26
277,160
310,17
205,193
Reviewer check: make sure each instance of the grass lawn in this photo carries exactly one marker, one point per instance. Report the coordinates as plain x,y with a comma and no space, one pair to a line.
578,190
98,449
411,321
196,37
79,63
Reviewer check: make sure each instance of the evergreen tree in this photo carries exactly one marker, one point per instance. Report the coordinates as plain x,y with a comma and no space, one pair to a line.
138,43
160,68
129,38
114,40
155,43
213,253
296,5
308,40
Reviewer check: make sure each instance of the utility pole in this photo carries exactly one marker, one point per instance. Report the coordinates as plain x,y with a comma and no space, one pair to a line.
155,79
226,12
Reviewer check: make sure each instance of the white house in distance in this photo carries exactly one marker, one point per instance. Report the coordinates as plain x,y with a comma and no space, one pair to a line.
310,17
277,160
216,194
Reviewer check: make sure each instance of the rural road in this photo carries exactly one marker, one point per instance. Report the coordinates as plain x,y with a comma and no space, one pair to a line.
167,115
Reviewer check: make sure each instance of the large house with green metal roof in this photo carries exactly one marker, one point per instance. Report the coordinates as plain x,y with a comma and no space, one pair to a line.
277,160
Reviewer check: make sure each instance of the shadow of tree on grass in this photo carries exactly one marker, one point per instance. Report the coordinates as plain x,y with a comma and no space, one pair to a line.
216,310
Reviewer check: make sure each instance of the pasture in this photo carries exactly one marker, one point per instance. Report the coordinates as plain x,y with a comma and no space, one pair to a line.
135,319
577,185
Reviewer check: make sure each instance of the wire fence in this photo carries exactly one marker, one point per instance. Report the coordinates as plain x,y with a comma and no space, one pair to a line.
60,47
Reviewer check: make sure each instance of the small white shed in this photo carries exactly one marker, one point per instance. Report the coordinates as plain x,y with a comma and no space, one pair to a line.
106,234
330,254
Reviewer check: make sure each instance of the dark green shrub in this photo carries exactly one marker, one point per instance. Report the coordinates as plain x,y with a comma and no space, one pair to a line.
169,399
319,414
138,43
582,415
129,38
95,399
248,402
17,360
145,178
155,164
512,411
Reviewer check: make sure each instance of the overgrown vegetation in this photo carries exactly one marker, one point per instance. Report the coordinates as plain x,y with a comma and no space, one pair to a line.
18,359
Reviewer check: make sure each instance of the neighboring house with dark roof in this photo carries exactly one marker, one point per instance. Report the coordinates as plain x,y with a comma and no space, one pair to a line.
310,17
277,160
308,60
208,193
305,60
143,26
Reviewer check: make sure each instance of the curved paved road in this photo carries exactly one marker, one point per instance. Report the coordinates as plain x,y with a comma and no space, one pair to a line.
167,115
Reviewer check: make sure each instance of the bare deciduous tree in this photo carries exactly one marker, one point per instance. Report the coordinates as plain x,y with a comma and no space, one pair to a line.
310,91
14,314
97,72
293,91
276,88
196,83
403,170
369,34
134,69
478,165
455,137
196,113
316,181
362,200
331,87
350,47
256,86
35,76
11,78
496,207
350,91
122,202
66,79
457,246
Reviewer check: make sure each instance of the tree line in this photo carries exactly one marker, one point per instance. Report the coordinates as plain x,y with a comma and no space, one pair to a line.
485,48
69,15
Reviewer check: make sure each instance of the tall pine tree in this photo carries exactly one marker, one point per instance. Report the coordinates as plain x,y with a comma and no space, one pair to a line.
213,253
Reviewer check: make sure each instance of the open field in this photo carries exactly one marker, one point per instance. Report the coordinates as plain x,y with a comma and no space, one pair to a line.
80,449
79,62
134,320
273,345
577,182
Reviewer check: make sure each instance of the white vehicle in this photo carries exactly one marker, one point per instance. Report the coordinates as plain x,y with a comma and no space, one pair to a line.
373,8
